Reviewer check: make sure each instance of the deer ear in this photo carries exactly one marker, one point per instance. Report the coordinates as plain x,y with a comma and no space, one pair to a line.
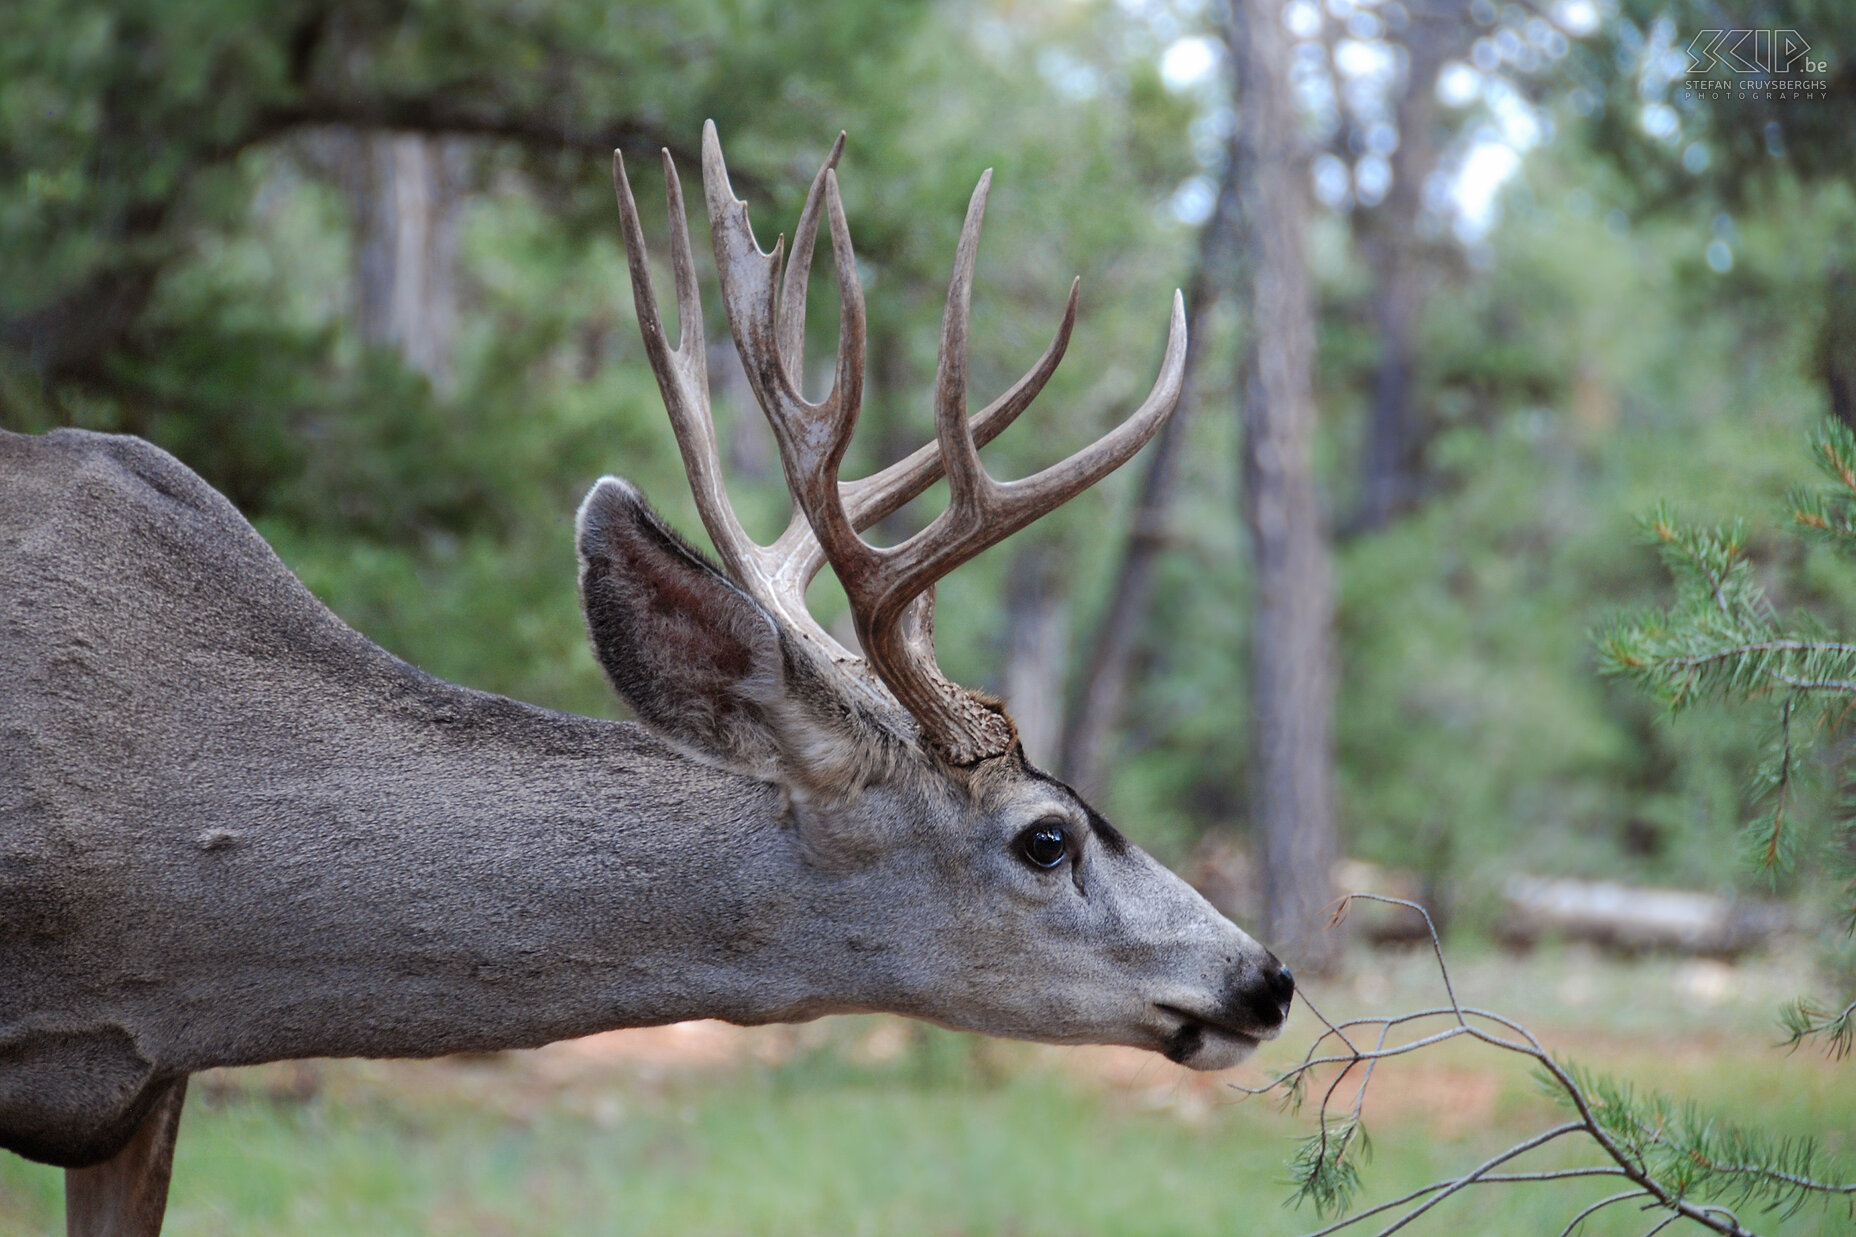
698,659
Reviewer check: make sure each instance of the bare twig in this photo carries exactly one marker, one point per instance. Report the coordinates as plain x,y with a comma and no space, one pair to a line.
1474,1174
1600,1205
1557,1174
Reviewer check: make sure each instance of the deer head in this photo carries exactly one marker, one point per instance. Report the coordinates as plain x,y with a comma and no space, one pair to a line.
972,889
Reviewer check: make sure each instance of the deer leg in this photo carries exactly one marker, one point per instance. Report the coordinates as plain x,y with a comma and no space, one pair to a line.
126,1195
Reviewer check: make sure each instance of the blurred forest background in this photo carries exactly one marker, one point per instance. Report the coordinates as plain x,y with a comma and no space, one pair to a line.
1473,284
358,263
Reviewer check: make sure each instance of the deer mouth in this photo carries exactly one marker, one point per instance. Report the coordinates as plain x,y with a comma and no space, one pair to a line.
1206,1042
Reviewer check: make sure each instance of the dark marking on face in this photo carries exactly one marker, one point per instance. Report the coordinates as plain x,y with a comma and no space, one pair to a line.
1112,838
1184,1043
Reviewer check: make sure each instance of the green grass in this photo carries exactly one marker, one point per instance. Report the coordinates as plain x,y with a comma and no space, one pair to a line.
954,1136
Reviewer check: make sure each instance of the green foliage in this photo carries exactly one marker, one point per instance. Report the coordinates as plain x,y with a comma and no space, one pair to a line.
113,110
1722,639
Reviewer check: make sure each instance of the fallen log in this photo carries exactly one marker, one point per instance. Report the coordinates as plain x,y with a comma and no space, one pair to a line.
1637,919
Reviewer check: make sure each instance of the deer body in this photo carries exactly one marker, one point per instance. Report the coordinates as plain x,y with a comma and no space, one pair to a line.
232,830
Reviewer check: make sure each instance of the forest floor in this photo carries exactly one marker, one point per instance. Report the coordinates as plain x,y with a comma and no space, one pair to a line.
875,1125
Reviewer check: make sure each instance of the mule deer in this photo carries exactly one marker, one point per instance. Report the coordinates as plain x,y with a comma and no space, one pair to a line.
232,830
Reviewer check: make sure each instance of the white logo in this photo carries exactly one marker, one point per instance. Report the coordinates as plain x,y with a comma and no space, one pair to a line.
1749,52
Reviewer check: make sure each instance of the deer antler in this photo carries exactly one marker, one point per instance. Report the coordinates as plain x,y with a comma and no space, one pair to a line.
891,590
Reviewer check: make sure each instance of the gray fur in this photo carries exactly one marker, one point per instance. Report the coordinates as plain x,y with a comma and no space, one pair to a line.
232,830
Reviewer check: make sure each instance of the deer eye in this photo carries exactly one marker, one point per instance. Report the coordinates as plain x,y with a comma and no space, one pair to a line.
1044,844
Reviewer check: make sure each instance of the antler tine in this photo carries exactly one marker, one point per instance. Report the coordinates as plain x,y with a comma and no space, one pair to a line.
847,388
812,437
1000,508
797,553
960,455
683,372
847,393
792,323
871,498
891,602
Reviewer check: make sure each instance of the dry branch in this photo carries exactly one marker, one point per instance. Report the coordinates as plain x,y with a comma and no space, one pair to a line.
1674,1161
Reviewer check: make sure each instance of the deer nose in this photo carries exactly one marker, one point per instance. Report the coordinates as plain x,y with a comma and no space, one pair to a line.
1281,985
1270,1006
1260,999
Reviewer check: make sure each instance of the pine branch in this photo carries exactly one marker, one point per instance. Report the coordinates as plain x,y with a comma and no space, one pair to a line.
1721,640
1773,782
1829,514
1753,649
1803,1020
1711,562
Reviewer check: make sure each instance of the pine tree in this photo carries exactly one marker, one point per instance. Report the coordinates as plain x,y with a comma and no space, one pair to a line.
1722,639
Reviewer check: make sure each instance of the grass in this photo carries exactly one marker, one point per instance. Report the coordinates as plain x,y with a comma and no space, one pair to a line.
862,1126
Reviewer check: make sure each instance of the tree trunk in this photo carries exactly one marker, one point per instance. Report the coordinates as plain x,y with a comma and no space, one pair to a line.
1104,684
1292,632
404,189
1836,341
1389,236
